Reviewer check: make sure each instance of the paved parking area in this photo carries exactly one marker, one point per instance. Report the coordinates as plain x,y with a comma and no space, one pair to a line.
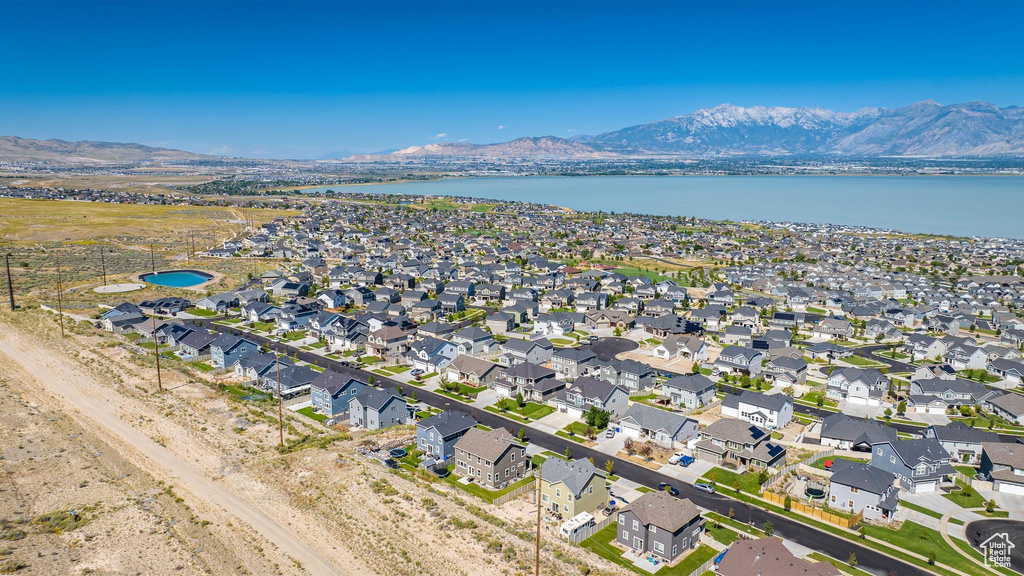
610,446
860,410
688,474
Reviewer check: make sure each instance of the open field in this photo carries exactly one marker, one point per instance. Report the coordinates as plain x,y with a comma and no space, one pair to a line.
317,500
138,181
32,230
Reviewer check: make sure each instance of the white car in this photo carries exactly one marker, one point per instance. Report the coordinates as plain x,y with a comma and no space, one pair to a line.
674,459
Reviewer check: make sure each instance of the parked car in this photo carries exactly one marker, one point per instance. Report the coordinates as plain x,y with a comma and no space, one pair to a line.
668,488
415,372
674,459
592,338
686,461
704,487
610,433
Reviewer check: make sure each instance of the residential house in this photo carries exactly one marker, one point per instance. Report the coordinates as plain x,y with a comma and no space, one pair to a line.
690,391
1009,407
786,370
227,348
474,340
493,459
331,391
436,436
1003,464
739,360
375,409
848,433
920,465
517,350
432,354
962,442
630,374
517,378
741,443
682,346
769,557
570,488
860,386
769,410
656,523
858,487
572,362
472,370
583,393
643,422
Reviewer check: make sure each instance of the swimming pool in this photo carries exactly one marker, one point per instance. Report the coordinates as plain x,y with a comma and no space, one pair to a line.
177,278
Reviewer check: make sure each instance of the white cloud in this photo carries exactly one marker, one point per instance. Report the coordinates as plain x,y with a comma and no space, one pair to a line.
462,140
440,135
572,130
221,150
501,127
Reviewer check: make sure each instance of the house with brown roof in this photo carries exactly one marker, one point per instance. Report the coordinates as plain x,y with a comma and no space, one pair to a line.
769,557
491,458
660,524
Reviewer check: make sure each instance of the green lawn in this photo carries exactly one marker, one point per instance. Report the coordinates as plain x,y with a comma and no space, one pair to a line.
530,410
201,313
202,366
812,399
858,361
263,326
820,462
308,413
724,535
484,494
726,478
293,336
918,539
602,545
974,500
319,344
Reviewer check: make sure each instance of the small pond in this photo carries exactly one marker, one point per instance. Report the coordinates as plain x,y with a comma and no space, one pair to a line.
177,278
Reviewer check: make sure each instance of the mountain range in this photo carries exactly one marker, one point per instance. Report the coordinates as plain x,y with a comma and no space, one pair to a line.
15,149
924,129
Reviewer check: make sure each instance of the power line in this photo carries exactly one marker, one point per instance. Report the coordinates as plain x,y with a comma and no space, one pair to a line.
60,296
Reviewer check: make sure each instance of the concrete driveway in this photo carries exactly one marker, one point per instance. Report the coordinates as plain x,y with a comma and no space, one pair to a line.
557,420
860,410
689,474
610,446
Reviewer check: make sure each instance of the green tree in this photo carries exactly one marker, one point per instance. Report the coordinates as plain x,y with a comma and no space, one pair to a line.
519,399
567,453
609,466
787,503
853,559
768,528
990,506
522,434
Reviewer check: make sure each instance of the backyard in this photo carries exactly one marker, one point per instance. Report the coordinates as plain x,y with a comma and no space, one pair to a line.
602,545
529,410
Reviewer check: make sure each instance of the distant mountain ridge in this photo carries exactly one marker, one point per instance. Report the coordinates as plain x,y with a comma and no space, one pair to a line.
16,149
924,129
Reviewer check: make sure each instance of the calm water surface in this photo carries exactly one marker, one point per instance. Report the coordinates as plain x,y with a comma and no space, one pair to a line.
958,205
176,279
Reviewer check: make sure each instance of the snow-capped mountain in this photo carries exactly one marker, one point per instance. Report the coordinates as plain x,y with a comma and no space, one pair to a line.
925,129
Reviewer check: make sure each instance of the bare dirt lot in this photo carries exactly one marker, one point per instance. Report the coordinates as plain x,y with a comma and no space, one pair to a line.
190,480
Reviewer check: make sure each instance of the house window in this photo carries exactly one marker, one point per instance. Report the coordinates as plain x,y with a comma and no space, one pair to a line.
674,547
513,456
653,529
546,498
854,490
591,489
622,519
625,535
892,459
659,547
558,492
636,525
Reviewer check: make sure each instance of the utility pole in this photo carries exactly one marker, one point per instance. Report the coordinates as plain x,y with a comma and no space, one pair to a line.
103,264
156,353
10,284
60,297
280,401
152,257
540,485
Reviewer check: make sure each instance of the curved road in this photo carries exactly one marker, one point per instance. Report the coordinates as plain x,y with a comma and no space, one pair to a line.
836,546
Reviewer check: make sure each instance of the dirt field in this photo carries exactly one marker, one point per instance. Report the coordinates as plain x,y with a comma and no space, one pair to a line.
141,460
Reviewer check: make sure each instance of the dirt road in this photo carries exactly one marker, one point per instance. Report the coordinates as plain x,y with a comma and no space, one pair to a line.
84,397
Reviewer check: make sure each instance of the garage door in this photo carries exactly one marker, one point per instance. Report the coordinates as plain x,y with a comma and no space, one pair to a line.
708,456
925,487
1009,488
630,432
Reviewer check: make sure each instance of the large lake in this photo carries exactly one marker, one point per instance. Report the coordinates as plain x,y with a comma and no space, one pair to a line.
957,205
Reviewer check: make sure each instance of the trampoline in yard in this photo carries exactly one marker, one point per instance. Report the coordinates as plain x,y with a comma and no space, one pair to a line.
398,453
814,491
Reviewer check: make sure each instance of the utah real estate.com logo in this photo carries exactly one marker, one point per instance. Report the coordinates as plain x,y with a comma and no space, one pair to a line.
997,550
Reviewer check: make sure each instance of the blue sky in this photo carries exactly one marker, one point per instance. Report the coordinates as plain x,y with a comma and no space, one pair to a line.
301,80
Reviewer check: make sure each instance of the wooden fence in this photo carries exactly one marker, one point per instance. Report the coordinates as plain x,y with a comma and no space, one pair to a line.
813,512
781,473
705,567
581,536
531,487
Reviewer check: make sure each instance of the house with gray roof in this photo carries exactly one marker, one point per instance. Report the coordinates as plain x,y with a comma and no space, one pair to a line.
643,422
583,393
739,360
517,350
690,390
659,524
375,409
436,436
859,487
849,433
769,557
1003,464
1009,407
630,374
331,391
961,441
860,386
472,370
920,465
572,362
769,410
474,340
569,488
740,443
